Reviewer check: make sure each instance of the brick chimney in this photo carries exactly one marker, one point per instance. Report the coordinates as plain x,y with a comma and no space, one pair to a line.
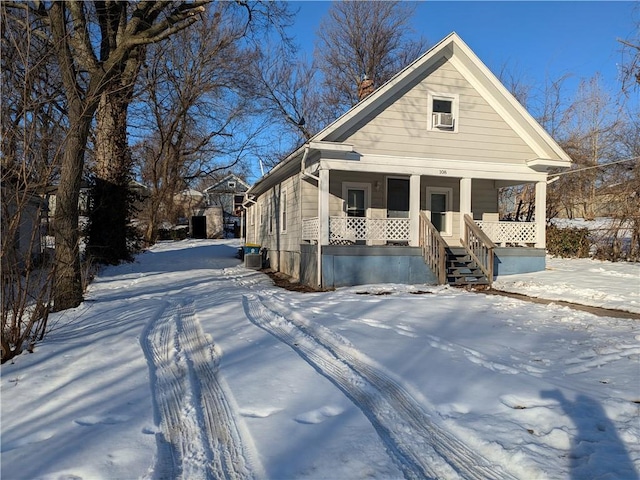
365,88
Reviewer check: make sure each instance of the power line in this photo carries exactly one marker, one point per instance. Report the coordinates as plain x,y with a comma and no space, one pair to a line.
556,175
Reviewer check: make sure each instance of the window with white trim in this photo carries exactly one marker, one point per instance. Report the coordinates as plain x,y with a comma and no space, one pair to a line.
443,112
283,212
270,216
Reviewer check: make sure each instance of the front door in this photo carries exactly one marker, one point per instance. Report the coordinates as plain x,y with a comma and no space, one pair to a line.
356,202
439,204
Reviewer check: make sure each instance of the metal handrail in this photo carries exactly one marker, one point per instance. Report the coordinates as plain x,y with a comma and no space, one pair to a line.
479,247
433,248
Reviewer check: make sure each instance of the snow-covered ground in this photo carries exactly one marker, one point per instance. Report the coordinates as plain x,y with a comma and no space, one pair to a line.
186,365
596,283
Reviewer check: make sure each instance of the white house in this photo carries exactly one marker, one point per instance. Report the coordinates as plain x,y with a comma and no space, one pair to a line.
404,186
228,194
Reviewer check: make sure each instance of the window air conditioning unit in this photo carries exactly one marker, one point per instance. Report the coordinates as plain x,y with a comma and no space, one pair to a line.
442,120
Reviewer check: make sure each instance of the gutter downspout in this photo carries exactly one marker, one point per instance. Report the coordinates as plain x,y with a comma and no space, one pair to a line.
304,174
248,202
319,241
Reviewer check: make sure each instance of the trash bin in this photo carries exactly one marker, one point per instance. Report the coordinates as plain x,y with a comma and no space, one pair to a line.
251,248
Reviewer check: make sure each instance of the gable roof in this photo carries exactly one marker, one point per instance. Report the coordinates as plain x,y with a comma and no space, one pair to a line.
223,183
453,49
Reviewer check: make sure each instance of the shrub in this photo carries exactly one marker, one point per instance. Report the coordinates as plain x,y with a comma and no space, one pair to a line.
572,242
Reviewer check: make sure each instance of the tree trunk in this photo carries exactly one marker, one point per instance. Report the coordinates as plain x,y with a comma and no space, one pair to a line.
111,200
67,291
109,212
85,75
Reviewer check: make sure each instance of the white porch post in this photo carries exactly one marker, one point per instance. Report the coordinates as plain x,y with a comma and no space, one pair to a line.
414,210
465,202
323,217
541,214
323,206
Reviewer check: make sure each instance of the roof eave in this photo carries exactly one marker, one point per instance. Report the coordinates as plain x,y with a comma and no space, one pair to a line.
546,164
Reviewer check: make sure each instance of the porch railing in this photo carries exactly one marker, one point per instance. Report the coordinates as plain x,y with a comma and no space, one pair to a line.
310,228
433,248
353,229
346,230
503,233
479,246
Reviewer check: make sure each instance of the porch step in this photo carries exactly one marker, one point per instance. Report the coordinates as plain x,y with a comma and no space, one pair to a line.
462,271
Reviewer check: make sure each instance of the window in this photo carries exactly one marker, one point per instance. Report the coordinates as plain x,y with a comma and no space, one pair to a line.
283,212
443,112
271,212
231,184
440,106
397,197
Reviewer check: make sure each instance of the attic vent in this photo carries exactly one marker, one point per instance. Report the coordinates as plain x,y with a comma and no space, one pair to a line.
443,120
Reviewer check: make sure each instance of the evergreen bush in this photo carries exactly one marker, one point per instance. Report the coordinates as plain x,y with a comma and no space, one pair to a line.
571,242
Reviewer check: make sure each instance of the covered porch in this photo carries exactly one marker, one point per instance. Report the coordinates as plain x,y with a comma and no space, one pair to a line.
388,215
384,209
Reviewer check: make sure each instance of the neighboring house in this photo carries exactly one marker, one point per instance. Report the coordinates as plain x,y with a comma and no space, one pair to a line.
404,186
141,195
228,194
188,202
83,200
189,207
22,214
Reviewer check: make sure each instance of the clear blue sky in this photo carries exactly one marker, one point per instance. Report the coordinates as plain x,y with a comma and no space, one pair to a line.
535,39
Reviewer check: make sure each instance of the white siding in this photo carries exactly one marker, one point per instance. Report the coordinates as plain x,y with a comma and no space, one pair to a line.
402,127
484,198
309,200
283,248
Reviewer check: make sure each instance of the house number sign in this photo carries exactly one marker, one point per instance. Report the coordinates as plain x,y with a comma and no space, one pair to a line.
443,172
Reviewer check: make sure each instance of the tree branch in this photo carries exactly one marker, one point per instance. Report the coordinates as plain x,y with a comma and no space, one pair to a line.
79,40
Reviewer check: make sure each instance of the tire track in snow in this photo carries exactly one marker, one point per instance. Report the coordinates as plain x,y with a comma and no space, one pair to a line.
420,448
200,437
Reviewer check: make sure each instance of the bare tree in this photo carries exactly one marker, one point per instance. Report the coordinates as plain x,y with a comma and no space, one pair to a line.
516,82
630,69
198,98
590,142
286,87
32,129
363,39
88,59
108,232
620,193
